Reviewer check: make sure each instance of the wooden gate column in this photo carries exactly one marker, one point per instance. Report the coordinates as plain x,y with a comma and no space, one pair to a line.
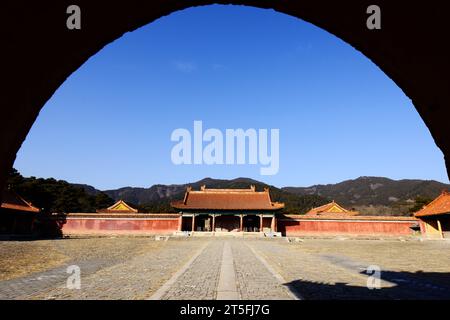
441,234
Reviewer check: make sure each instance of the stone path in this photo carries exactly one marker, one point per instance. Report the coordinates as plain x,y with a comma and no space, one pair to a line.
227,287
26,287
255,279
309,275
136,278
228,268
199,281
316,275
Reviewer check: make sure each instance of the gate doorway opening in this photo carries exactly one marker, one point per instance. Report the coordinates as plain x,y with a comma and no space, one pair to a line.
252,223
203,223
186,223
227,223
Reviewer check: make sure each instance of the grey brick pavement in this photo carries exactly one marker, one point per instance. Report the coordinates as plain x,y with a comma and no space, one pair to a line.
317,269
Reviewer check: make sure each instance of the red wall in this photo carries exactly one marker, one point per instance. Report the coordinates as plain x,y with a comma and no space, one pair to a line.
120,226
153,224
290,227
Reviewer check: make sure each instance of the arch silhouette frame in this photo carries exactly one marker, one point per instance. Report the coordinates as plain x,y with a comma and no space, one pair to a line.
40,52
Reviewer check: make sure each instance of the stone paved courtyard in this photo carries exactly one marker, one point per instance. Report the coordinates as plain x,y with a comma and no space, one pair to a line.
219,268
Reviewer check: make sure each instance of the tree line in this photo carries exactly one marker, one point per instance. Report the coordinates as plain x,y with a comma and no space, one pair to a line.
51,195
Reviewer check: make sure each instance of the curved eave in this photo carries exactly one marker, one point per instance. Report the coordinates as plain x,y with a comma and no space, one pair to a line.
19,208
426,215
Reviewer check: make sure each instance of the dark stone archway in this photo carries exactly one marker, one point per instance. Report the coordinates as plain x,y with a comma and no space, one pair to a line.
38,52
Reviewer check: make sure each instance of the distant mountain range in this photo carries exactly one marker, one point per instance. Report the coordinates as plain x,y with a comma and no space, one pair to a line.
157,198
373,190
369,195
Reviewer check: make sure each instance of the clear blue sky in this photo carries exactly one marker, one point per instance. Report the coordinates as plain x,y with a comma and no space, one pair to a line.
339,115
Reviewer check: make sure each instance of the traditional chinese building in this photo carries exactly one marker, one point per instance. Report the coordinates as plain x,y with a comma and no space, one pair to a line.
119,207
234,212
331,208
227,210
435,217
17,216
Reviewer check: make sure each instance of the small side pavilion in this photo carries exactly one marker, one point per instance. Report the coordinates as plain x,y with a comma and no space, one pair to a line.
435,217
119,207
17,216
331,208
227,210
